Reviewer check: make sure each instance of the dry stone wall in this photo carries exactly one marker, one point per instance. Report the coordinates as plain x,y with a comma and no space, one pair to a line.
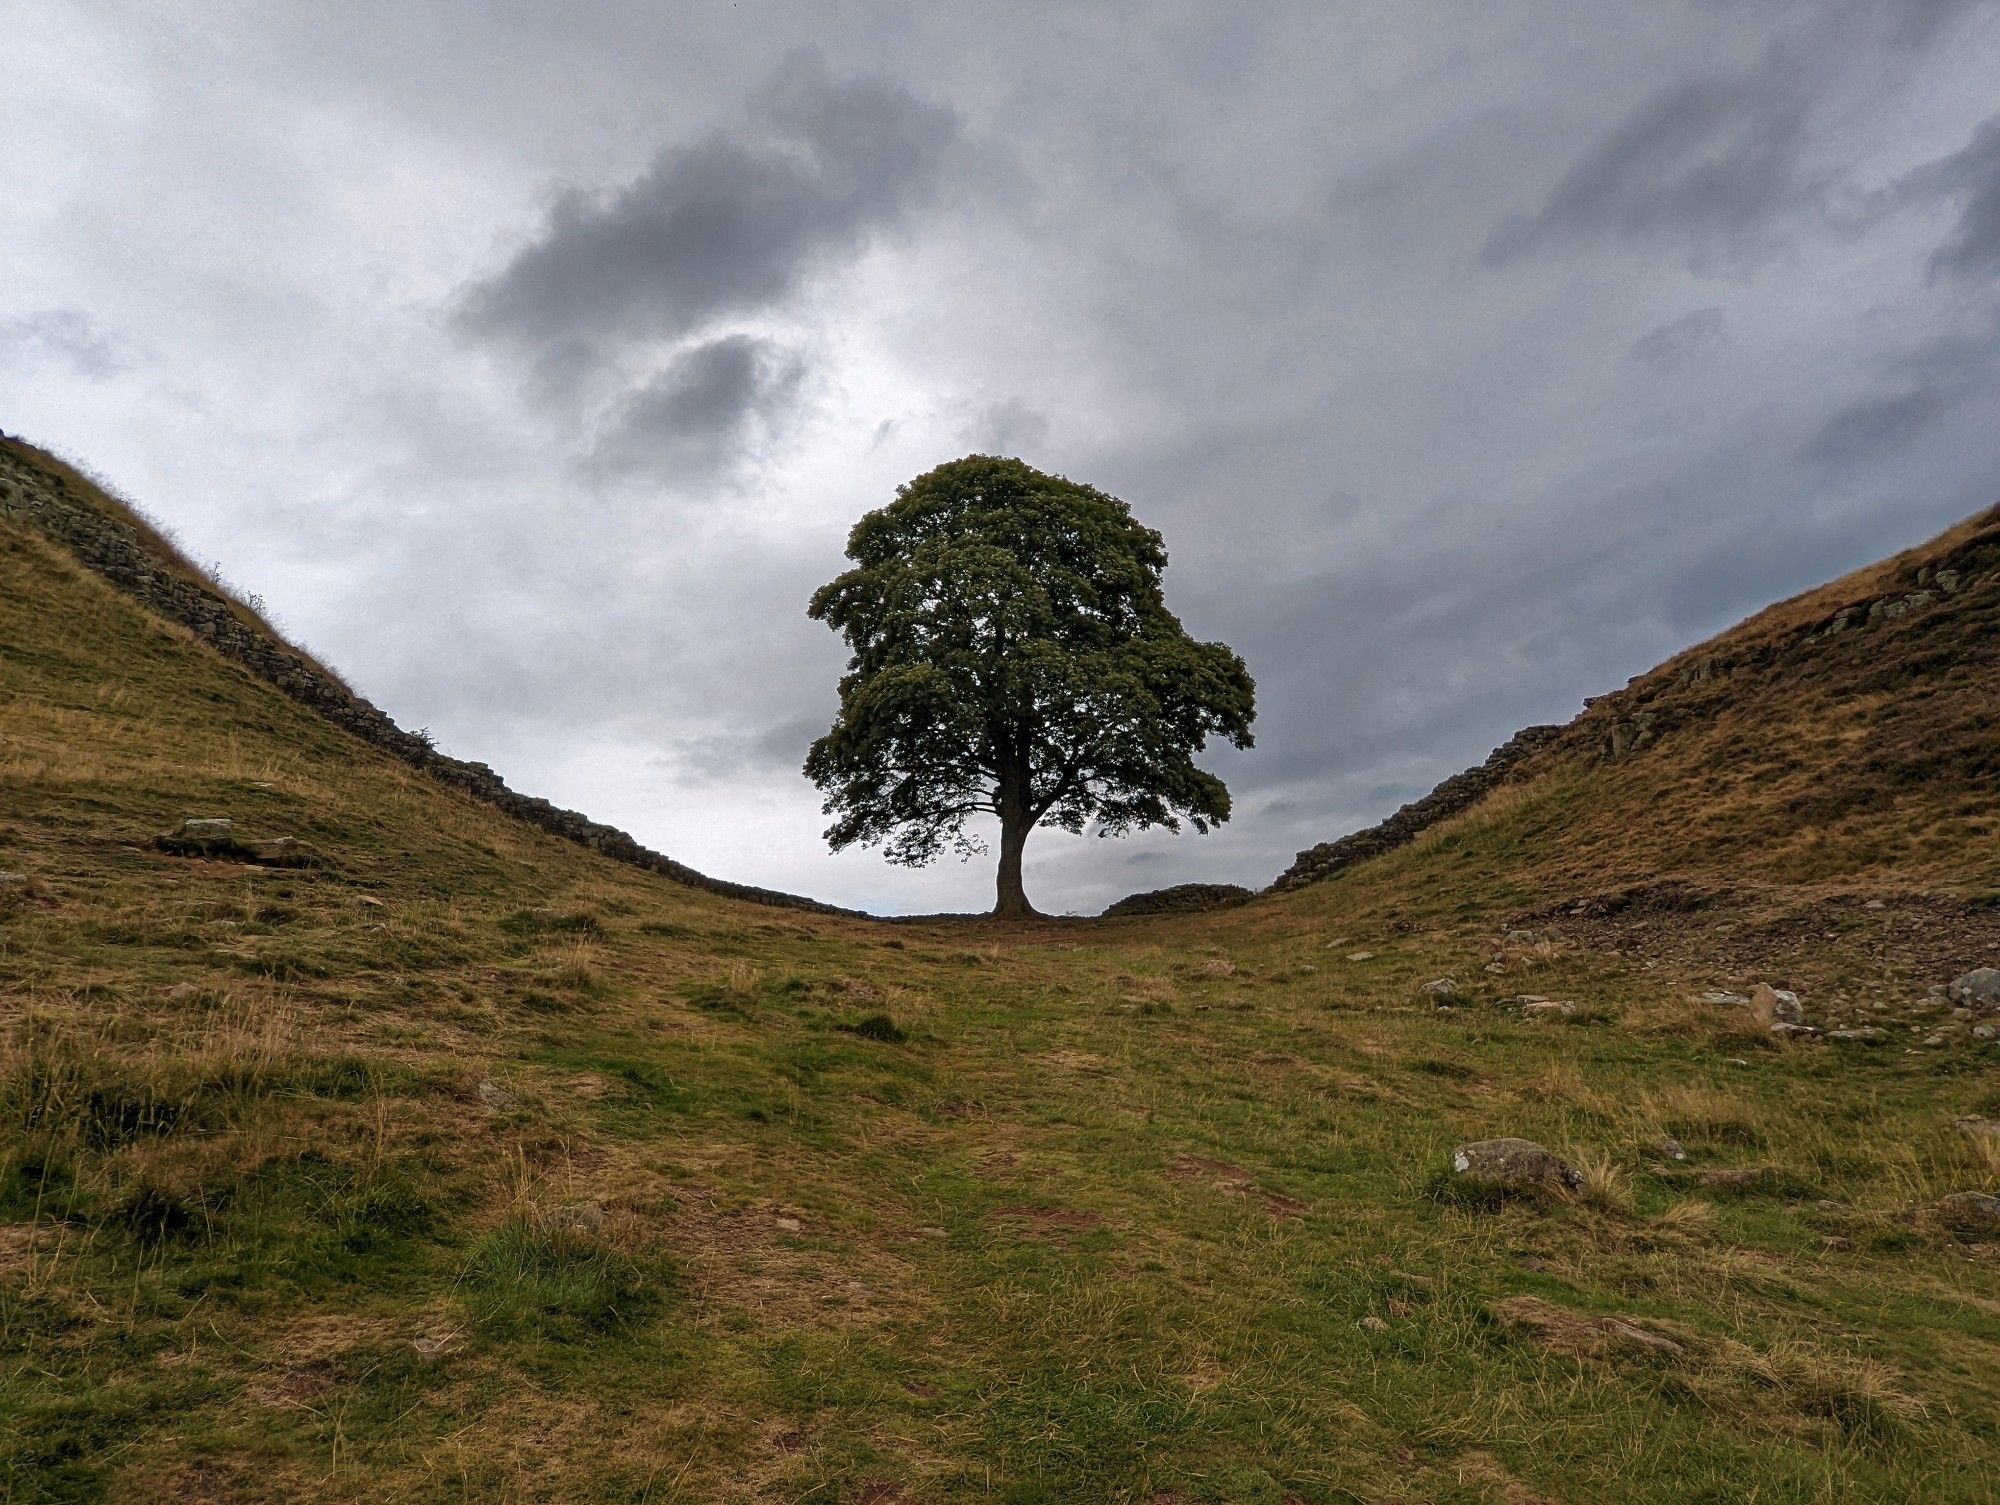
106,541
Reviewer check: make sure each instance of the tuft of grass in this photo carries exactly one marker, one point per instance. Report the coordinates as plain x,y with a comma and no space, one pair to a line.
1605,1184
878,1027
542,1273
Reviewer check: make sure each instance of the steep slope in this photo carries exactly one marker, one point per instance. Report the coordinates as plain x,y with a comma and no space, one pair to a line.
1851,733
40,494
470,1164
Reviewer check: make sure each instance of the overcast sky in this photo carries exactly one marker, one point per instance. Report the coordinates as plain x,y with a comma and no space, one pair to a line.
533,361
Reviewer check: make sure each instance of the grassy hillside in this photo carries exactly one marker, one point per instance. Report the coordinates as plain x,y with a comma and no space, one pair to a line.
469,1165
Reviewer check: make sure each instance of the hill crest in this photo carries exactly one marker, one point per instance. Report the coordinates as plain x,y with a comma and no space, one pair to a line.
109,538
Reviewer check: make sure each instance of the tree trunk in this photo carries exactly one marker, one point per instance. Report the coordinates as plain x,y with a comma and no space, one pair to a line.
1013,898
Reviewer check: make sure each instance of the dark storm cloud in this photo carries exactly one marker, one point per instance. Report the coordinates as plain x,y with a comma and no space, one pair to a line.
1972,178
67,335
702,414
1861,430
1708,164
764,752
730,224
1681,340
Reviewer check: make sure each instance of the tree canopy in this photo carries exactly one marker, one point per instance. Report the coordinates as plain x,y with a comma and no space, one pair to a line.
1013,656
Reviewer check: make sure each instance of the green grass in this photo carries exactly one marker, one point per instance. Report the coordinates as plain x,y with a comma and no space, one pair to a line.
470,1167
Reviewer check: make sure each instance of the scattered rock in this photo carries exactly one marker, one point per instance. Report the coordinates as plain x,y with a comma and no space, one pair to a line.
1220,966
1775,1005
9,879
1669,1149
787,1223
583,1217
1548,1008
1785,1031
1978,989
1516,1165
494,1096
1521,937
1725,1000
1182,898
1374,1324
1970,1212
284,851
1984,1031
434,1345
205,830
1443,990
1866,1034
1360,956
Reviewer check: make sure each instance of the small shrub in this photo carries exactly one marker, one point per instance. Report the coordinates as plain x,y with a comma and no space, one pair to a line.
878,1027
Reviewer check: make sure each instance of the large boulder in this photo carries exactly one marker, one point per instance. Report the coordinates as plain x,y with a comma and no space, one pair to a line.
1513,1165
1978,989
1972,1213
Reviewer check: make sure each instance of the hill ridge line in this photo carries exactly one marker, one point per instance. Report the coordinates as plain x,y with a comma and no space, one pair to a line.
1933,575
107,539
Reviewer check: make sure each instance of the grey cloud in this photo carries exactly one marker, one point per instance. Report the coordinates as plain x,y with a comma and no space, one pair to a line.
1972,177
703,414
67,335
1864,429
1678,341
1918,23
759,753
732,223
1010,427
1709,164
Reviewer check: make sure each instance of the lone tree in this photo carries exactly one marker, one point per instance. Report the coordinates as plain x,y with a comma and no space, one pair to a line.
1013,656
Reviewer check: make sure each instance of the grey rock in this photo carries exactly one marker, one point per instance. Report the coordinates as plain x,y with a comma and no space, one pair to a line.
494,1096
1866,1034
1548,1008
1521,938
1786,1031
284,851
1977,1127
1776,1005
1971,1212
1724,1000
1443,990
1978,989
1514,1165
584,1217
1670,1149
206,830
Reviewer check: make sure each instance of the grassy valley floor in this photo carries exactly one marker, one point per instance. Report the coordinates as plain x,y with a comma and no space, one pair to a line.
468,1166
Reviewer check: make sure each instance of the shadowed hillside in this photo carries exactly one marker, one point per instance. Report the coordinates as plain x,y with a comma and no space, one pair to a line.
387,1146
